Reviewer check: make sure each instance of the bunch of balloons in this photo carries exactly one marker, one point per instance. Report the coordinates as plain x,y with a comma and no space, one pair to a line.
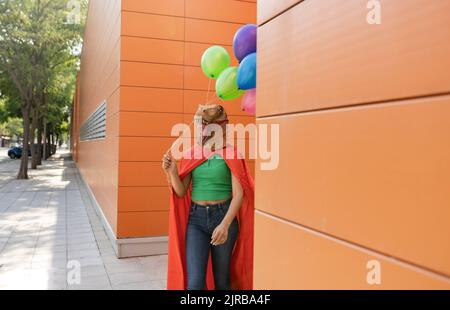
233,82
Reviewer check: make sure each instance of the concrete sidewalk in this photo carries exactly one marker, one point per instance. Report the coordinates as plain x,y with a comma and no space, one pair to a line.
50,233
4,154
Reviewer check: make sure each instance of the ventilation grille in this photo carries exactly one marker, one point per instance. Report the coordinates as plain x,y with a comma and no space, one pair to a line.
95,126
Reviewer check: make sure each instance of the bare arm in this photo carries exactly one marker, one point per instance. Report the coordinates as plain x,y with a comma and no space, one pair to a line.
220,234
236,202
180,186
170,167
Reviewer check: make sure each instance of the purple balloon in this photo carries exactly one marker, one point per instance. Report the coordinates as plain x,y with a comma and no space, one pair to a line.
244,42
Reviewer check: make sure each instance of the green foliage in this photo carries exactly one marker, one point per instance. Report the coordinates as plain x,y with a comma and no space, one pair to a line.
39,56
9,100
13,127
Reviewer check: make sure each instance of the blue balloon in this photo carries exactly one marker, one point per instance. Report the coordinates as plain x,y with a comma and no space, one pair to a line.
246,78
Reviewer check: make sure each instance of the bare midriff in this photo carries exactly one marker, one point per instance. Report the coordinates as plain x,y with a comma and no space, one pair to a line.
208,202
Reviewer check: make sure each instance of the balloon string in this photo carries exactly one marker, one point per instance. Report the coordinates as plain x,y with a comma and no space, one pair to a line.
208,101
209,90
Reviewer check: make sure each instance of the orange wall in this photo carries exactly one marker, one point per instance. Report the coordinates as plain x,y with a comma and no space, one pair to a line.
364,119
143,57
99,80
161,84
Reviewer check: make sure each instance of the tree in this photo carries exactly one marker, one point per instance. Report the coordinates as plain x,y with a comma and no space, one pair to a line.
9,99
13,127
35,39
58,98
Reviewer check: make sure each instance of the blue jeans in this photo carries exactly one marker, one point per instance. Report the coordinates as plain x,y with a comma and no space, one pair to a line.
201,224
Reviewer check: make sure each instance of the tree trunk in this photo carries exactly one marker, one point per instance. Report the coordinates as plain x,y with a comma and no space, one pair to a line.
50,142
23,170
53,143
39,142
44,125
34,123
57,142
48,147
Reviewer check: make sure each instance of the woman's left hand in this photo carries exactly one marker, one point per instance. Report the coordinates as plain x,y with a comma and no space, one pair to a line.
220,234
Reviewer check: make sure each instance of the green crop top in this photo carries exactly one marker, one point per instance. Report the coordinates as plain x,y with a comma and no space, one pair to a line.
211,180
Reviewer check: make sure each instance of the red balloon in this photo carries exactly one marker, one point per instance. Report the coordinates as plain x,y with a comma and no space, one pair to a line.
248,103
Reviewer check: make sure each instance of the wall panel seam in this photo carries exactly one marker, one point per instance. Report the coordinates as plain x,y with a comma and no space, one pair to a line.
166,39
168,88
101,44
155,63
359,106
358,247
190,18
280,13
184,113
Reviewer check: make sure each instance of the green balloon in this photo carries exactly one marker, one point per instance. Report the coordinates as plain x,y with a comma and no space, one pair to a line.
226,84
214,60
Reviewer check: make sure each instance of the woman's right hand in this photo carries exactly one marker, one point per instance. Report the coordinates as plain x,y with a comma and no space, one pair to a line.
169,165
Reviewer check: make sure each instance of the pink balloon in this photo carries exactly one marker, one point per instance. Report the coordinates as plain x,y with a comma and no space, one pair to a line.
248,103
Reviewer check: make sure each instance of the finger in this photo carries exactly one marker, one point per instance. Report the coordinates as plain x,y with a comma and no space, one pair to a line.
219,237
220,242
223,238
214,236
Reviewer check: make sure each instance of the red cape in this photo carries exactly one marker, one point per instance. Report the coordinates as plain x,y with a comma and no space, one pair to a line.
241,269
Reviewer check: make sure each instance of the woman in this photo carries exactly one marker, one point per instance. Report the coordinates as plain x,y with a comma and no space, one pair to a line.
211,216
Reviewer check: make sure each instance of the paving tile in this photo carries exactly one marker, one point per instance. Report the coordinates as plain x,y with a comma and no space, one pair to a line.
90,261
83,246
76,254
142,286
120,267
127,277
91,283
107,250
53,263
92,271
43,250
48,221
